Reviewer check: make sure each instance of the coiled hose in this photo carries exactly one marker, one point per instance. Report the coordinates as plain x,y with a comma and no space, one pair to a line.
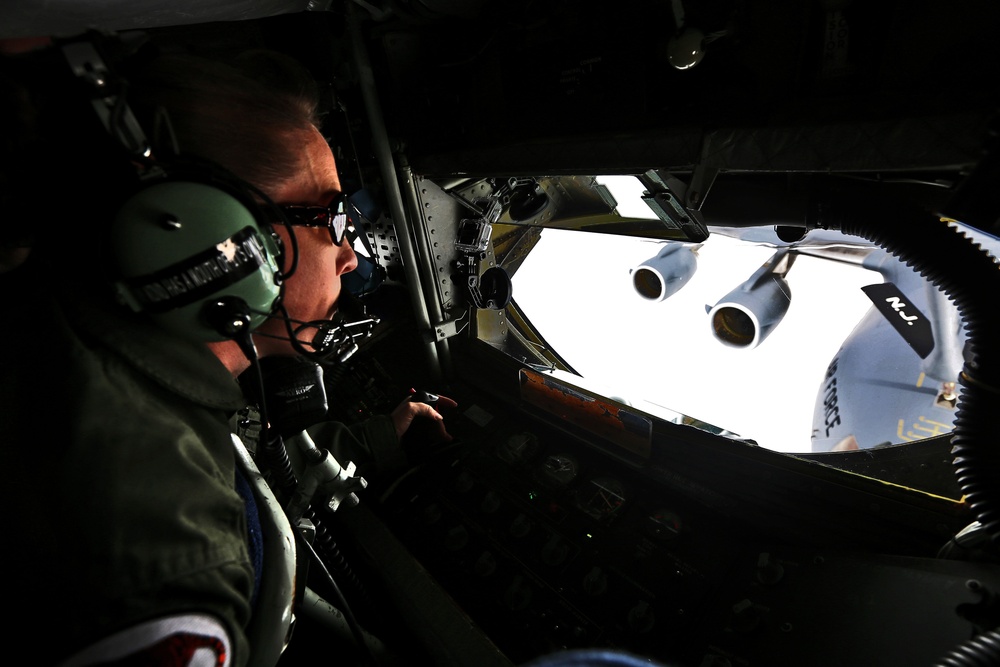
354,590
981,651
970,277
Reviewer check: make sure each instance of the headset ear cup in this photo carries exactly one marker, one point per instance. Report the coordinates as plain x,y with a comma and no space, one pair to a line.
179,244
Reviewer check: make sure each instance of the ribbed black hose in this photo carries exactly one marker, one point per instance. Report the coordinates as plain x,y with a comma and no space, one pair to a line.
340,569
276,466
271,453
970,277
981,651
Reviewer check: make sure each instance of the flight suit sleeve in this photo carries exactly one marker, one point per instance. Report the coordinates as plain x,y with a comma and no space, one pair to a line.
372,445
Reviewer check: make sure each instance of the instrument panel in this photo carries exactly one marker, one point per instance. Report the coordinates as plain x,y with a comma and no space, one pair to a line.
548,544
525,536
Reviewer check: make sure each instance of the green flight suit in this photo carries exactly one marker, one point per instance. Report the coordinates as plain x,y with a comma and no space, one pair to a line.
120,488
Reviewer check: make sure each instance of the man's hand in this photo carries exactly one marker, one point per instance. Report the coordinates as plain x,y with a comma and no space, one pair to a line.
408,410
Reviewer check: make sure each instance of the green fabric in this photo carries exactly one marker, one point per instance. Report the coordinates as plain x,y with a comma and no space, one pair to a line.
371,445
120,487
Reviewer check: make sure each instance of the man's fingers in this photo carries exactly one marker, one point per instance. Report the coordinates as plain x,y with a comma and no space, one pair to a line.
446,402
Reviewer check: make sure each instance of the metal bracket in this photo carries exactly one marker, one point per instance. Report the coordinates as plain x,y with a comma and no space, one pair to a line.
323,479
450,328
665,195
490,290
114,113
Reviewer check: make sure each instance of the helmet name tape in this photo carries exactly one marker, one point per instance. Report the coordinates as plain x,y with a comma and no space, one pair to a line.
199,276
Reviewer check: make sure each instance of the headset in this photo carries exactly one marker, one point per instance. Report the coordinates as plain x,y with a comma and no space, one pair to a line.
193,245
196,259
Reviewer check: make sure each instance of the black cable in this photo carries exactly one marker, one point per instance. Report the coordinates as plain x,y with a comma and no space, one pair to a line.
292,335
270,447
337,562
339,342
341,601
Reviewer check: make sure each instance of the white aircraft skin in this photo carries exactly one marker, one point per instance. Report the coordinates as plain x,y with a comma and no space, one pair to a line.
878,391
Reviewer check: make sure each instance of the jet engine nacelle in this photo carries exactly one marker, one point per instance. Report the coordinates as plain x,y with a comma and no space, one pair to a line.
664,275
748,314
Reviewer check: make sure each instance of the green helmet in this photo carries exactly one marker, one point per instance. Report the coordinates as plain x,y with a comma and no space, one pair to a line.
180,246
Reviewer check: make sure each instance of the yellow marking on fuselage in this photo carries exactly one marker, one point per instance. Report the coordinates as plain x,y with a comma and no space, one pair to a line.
923,428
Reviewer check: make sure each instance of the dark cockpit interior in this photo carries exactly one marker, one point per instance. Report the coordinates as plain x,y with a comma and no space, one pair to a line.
562,516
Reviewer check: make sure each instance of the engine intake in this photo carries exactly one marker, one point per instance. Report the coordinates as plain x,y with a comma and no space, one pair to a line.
665,274
747,315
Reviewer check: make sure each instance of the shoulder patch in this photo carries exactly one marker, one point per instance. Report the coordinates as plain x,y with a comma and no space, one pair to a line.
189,640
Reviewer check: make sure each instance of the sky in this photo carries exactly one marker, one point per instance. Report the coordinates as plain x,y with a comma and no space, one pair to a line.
576,287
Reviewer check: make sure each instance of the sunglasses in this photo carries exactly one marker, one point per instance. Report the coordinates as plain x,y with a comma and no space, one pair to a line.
334,217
